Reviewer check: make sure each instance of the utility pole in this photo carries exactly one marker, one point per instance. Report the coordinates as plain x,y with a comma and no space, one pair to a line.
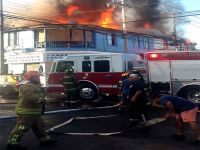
1,40
175,34
174,27
124,30
125,36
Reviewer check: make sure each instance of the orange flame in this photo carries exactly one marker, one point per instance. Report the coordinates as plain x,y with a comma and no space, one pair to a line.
147,25
106,19
78,15
72,10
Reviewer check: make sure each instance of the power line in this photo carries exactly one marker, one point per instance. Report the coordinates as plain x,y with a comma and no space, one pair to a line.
184,11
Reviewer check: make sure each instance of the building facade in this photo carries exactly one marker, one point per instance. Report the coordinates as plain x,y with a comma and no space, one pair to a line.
35,48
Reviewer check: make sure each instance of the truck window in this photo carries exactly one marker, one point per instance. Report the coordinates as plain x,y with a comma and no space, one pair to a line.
130,65
86,66
63,65
101,66
53,67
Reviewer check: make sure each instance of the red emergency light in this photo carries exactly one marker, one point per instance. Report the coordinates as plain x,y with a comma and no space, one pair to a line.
153,55
182,55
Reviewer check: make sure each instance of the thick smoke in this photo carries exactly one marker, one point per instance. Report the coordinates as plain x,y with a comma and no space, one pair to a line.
147,11
140,14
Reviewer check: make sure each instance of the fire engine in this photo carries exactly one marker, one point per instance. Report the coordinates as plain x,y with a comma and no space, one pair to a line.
98,74
175,72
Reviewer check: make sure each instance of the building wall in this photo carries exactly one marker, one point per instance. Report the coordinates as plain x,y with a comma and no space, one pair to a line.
20,43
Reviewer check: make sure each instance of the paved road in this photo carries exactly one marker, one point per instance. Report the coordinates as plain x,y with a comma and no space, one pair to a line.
156,138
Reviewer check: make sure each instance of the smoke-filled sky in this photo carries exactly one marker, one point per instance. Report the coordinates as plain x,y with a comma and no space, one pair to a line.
151,15
192,29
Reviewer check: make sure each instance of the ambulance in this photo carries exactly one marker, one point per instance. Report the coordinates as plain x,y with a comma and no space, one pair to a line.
98,74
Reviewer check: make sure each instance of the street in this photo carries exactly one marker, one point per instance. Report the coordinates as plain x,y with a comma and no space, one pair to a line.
101,120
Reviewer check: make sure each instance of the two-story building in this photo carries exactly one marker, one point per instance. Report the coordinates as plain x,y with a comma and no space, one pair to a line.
34,48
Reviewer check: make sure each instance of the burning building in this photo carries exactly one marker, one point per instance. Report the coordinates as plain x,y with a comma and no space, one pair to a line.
74,26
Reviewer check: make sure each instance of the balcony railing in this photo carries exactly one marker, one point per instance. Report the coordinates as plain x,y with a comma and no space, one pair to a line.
65,44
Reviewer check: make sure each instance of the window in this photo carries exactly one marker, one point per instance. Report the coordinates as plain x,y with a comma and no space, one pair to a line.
77,35
86,66
10,39
101,66
140,42
135,42
88,36
58,35
63,65
111,39
146,45
130,65
13,38
40,35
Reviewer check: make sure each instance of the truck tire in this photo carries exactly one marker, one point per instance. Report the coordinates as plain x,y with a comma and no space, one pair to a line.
88,92
191,93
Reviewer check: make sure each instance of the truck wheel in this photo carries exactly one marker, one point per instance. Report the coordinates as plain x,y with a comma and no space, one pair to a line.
88,92
191,93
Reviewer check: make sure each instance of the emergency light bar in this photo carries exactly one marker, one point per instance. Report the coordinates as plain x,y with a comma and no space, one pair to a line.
184,55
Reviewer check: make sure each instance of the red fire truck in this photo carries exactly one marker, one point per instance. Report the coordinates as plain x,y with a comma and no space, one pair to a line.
175,72
98,74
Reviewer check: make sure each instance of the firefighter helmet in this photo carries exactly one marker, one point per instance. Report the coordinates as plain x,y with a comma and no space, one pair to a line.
70,70
30,75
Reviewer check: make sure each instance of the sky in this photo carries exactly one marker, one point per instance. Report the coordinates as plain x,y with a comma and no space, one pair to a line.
192,29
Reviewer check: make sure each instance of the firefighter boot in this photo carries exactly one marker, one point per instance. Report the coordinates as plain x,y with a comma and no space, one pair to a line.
48,142
15,147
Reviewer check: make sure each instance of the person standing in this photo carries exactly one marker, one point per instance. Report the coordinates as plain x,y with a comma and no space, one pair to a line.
183,110
71,85
125,85
137,98
29,113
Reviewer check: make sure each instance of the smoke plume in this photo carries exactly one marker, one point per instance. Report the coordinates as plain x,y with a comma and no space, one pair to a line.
140,14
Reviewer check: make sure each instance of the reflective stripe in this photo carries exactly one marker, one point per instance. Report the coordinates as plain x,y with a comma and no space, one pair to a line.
105,85
28,111
55,85
115,86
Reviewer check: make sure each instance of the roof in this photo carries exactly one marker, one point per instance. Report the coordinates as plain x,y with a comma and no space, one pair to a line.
79,26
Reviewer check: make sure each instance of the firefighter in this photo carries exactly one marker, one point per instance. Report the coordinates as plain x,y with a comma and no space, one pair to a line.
71,85
29,113
124,91
137,98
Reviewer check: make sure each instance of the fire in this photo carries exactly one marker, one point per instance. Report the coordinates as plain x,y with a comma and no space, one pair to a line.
147,25
80,15
106,19
72,10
